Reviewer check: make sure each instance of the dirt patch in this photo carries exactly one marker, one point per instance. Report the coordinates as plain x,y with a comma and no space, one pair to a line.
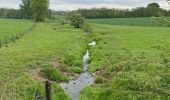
55,63
102,71
37,74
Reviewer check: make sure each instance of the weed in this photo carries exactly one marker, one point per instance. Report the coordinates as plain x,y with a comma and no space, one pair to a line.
54,74
77,70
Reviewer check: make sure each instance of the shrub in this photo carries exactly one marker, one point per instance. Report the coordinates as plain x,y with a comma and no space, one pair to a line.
58,93
73,59
69,58
62,21
76,19
169,24
77,62
36,91
100,80
54,74
76,70
86,28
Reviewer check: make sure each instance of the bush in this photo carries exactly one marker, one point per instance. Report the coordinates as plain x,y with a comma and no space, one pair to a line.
58,93
36,91
76,19
100,80
76,70
69,58
62,21
54,74
73,59
86,28
77,63
169,24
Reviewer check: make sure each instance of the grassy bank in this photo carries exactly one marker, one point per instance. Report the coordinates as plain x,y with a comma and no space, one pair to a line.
130,62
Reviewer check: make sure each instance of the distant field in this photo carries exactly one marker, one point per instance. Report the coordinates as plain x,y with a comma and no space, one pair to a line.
13,26
125,21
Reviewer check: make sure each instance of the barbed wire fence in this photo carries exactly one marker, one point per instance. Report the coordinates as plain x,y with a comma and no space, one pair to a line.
17,36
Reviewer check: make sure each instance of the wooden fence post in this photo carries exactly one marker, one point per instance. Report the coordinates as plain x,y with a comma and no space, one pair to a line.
48,90
6,43
12,38
17,37
0,44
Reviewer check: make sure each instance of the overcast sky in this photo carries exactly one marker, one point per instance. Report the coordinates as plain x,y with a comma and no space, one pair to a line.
75,4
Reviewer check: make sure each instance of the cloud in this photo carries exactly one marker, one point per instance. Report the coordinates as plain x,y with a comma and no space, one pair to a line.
75,4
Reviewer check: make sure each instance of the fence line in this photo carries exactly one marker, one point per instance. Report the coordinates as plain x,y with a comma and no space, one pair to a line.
17,36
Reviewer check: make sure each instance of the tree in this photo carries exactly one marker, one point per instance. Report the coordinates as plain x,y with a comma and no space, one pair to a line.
39,9
153,9
10,13
76,19
153,5
25,9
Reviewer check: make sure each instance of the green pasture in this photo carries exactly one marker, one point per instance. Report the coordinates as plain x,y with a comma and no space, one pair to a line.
13,26
126,21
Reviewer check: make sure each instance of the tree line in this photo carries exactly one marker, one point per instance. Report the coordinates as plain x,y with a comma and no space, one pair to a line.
29,9
153,9
39,10
10,13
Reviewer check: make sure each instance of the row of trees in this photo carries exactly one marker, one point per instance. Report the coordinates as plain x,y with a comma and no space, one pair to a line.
10,13
29,9
151,10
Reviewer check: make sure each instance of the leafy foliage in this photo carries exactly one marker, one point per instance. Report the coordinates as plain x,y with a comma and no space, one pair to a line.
86,28
76,19
25,9
77,70
54,74
161,20
39,9
10,13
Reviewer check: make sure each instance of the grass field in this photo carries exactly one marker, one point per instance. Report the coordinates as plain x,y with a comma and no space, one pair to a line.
21,61
130,62
13,26
125,21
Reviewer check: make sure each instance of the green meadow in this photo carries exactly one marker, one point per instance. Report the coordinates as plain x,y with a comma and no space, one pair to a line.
146,21
130,61
13,26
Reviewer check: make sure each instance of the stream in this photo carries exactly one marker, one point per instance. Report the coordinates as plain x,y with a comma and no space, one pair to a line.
74,87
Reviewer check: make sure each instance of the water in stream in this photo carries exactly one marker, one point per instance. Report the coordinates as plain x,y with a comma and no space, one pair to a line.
74,87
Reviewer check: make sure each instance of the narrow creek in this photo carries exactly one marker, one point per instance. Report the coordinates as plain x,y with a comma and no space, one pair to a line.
74,87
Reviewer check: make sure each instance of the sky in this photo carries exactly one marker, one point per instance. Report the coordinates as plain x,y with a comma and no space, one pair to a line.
75,4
